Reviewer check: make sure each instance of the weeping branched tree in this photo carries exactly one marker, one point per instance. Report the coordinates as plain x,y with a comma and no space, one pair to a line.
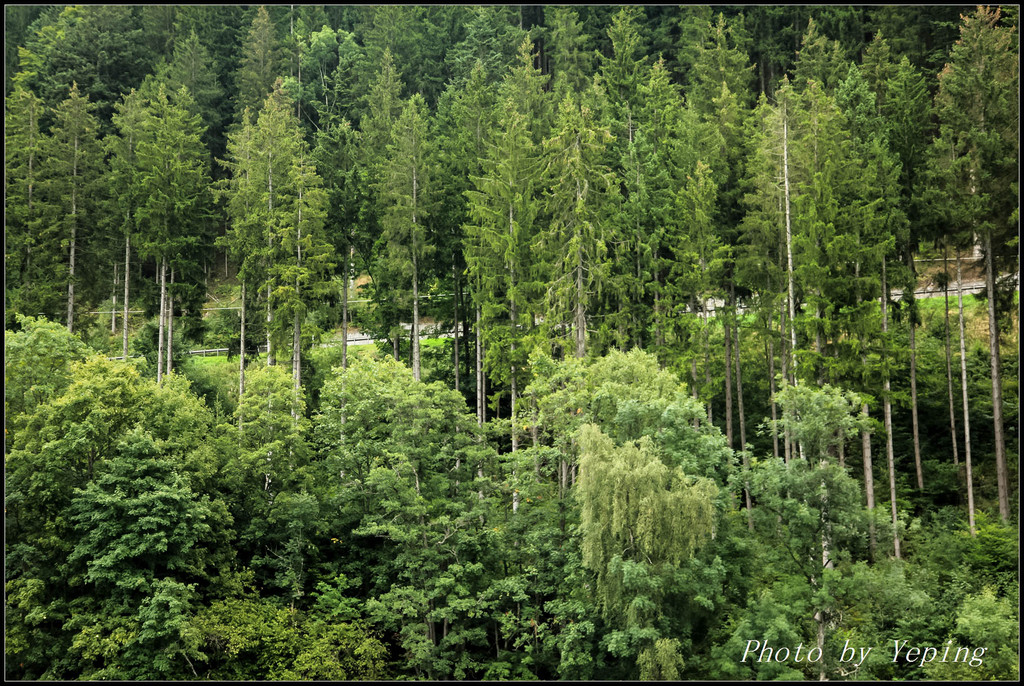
640,519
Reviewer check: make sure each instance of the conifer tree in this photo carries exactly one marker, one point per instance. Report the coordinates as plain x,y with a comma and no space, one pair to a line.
570,57
74,163
173,189
191,66
383,108
978,124
29,254
243,238
502,209
465,120
128,119
336,154
261,63
406,186
579,191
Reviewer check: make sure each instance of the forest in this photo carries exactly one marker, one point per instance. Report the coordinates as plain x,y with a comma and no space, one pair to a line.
511,342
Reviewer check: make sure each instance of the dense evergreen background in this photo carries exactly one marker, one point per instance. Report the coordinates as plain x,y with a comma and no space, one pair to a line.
688,398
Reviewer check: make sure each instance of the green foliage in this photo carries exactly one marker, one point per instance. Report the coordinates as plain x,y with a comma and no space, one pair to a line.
598,180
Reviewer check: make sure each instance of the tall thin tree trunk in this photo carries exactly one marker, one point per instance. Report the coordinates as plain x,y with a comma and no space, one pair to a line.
581,322
241,358
296,361
707,359
869,481
415,286
949,366
297,323
887,409
455,316
270,247
784,359
74,232
479,369
163,312
170,323
124,316
270,320
771,383
113,306
415,320
913,373
789,250
963,384
1002,474
743,426
344,310
727,335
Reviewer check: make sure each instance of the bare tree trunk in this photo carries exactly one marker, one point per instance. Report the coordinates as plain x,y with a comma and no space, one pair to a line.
513,332
455,316
415,286
707,359
869,480
163,311
74,232
743,427
270,320
241,358
124,316
819,372
344,310
296,361
949,366
963,384
913,375
170,323
784,359
727,334
581,322
480,416
415,321
789,250
771,384
887,409
693,375
1002,475
113,306
297,322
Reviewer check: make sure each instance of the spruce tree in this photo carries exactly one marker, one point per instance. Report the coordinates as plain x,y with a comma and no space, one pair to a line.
73,160
579,193
502,209
978,125
30,254
406,185
261,63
